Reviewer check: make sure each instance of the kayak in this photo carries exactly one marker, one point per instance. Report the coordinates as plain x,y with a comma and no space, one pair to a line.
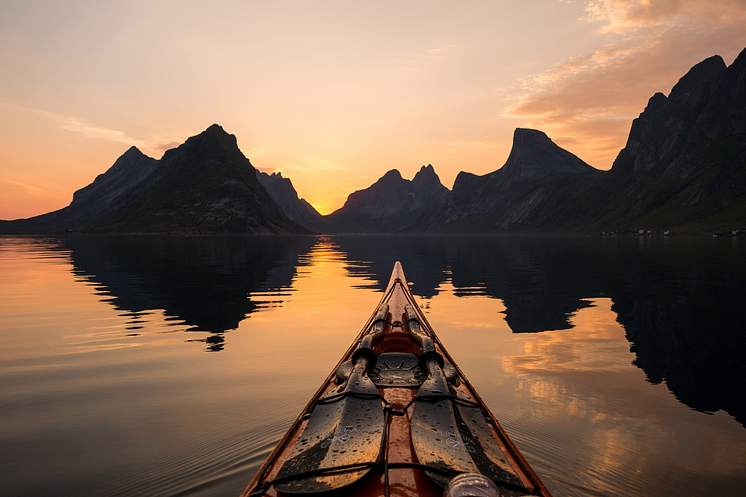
396,417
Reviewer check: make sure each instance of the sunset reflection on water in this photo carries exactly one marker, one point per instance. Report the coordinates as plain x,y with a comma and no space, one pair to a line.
585,415
178,362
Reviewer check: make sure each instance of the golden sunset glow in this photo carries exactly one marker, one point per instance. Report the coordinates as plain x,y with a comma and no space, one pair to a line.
333,94
160,368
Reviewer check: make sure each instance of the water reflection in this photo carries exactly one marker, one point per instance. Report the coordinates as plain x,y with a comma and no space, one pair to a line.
542,281
200,282
578,385
681,303
548,329
684,312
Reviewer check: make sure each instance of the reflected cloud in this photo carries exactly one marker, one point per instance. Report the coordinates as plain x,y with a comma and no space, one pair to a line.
579,383
595,342
585,308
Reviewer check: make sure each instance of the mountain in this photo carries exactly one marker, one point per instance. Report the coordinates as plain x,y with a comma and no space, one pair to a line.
538,177
99,202
283,193
683,169
684,163
390,204
205,185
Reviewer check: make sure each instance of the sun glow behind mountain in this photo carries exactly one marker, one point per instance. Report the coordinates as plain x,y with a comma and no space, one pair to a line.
333,94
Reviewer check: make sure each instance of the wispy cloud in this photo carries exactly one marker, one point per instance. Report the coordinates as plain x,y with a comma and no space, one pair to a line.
256,151
621,16
473,144
32,189
316,164
91,130
590,100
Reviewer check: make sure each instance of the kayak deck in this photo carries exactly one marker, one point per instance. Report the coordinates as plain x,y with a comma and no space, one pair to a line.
395,417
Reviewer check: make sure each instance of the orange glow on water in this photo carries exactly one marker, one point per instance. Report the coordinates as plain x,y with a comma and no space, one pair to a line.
571,400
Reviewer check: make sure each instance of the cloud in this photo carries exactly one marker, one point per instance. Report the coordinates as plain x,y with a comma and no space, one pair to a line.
162,147
256,151
473,144
89,130
587,103
32,190
621,16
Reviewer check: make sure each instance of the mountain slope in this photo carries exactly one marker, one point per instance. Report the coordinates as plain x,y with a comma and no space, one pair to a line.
684,163
389,205
206,185
527,193
99,202
283,193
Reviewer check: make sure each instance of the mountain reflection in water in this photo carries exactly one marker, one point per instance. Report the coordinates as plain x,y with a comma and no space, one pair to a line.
599,356
680,301
201,281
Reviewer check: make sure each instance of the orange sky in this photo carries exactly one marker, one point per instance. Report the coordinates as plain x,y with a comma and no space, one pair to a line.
333,93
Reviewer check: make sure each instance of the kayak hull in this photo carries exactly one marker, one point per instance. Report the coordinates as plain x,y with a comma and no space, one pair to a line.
420,420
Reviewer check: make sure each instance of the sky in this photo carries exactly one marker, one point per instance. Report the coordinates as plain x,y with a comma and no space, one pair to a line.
330,93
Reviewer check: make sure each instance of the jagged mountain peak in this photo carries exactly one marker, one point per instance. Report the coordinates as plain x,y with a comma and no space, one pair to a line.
391,196
534,156
213,143
693,80
426,175
427,182
426,170
656,102
133,151
129,170
283,193
391,175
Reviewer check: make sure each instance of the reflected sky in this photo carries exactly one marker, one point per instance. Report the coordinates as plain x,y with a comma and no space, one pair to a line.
104,337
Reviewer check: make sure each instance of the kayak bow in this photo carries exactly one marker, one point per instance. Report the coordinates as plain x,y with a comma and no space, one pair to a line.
396,416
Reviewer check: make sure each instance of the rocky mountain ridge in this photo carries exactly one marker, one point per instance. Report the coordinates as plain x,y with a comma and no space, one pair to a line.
283,193
205,185
388,204
685,158
683,168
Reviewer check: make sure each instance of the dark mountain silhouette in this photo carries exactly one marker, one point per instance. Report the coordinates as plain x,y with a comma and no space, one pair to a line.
684,163
201,282
283,193
206,185
657,289
538,177
390,204
683,169
102,201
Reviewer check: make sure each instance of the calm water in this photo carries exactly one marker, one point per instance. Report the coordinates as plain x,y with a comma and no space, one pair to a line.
166,366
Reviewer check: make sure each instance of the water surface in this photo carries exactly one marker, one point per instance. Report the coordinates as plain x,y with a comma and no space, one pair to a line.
170,365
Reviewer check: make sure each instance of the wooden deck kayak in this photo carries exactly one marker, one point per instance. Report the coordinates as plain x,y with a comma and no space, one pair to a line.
396,417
